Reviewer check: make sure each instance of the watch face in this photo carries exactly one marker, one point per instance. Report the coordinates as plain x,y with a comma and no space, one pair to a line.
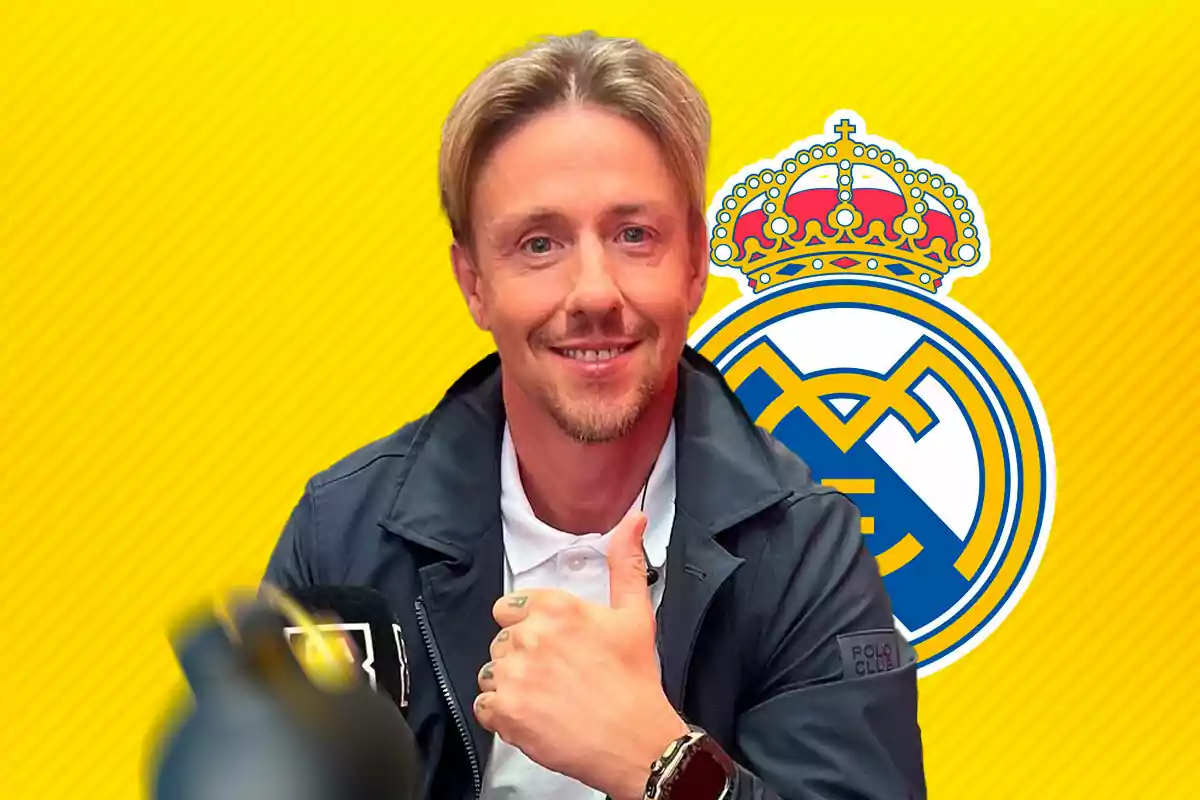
700,777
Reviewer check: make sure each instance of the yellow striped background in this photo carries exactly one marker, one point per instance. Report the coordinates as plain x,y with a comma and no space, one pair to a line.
222,267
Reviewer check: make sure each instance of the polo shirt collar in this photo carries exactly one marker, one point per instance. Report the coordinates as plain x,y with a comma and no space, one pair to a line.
529,542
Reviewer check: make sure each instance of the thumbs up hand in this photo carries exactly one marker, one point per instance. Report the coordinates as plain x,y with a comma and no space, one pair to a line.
575,685
627,569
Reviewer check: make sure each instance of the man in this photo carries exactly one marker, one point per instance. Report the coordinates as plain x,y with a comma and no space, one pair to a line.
755,655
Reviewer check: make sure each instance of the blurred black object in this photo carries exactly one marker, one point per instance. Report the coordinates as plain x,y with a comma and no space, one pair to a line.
261,727
364,615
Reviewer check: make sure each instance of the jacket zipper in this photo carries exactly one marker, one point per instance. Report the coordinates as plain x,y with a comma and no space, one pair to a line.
444,682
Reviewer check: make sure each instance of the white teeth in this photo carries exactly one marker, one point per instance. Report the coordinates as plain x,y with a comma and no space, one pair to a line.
593,355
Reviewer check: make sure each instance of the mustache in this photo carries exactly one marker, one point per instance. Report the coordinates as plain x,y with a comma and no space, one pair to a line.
584,327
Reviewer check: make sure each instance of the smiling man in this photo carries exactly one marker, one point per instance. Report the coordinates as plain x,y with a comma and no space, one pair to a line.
611,581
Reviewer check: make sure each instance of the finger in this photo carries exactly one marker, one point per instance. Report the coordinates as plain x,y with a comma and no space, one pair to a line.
520,638
507,641
487,677
484,708
518,606
627,565
502,644
512,608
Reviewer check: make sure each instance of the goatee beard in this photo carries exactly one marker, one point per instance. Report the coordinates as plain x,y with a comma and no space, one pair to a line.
597,422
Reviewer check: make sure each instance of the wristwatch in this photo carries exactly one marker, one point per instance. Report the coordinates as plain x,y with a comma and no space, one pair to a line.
694,767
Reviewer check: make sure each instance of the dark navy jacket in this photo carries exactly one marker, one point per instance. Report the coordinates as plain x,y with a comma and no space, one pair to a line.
771,598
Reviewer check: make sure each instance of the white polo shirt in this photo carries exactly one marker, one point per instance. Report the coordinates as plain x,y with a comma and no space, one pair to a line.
542,557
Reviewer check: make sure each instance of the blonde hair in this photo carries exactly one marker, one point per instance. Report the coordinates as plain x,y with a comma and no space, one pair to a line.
621,75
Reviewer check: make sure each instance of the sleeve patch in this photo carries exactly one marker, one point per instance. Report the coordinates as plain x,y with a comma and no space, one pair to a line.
869,653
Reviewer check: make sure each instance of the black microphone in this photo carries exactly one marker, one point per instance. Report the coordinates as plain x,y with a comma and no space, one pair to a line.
282,716
365,617
651,570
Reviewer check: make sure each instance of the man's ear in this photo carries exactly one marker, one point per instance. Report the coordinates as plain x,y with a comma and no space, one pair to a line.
469,282
698,279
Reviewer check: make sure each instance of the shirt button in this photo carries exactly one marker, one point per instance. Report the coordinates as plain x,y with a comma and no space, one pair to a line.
576,562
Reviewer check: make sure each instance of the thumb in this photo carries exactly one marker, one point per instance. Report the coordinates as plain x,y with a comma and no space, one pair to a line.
627,564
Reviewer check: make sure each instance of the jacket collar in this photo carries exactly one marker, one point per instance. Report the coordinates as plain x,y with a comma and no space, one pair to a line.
449,489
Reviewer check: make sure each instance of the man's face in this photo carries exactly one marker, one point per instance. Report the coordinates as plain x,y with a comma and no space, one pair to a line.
583,267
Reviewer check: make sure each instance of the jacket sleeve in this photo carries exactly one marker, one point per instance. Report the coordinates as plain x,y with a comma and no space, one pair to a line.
293,561
835,711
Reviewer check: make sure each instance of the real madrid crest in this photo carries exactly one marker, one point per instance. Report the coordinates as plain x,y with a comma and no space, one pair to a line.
848,350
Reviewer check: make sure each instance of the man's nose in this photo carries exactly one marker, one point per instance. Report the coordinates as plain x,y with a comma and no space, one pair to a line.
595,289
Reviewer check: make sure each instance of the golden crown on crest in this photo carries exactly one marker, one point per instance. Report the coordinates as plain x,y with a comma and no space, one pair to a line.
845,206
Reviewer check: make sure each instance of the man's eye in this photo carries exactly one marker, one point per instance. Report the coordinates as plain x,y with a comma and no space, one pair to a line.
538,245
634,235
